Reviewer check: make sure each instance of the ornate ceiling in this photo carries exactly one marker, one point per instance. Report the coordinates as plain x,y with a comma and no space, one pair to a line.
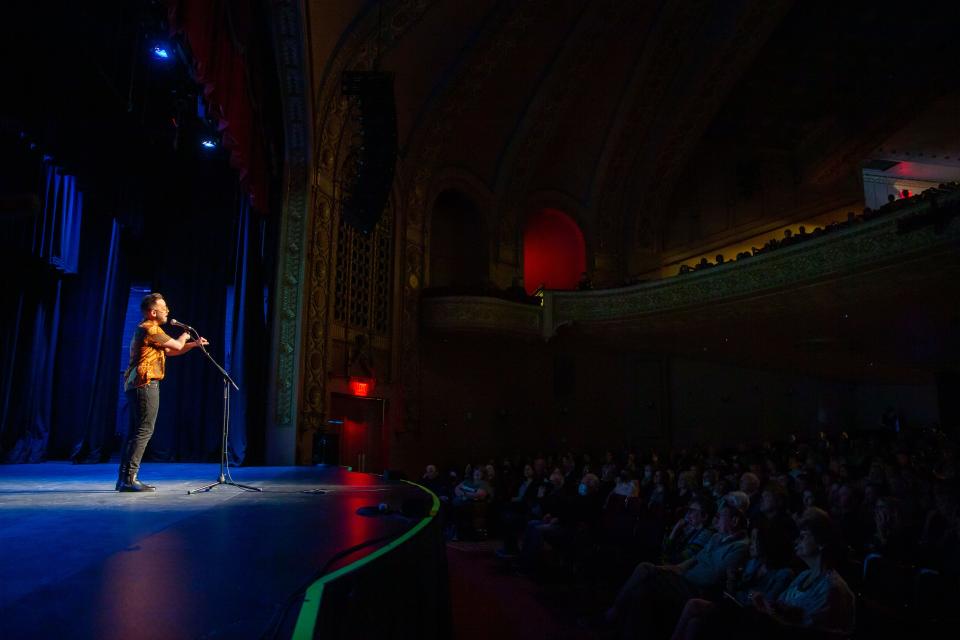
603,105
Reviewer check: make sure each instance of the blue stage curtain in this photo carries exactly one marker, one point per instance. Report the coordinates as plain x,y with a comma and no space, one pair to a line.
218,255
86,404
29,365
56,232
236,333
246,360
34,266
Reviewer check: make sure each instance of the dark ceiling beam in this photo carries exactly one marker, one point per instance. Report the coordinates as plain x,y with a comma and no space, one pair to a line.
668,131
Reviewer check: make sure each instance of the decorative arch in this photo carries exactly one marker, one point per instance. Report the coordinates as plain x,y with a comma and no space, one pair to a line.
458,246
554,251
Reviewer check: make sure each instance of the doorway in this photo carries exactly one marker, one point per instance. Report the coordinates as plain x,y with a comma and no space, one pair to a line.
361,432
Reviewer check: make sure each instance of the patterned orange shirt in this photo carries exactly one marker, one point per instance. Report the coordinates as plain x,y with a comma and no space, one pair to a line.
148,360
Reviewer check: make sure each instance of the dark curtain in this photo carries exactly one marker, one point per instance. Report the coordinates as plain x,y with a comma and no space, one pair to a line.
30,336
85,404
39,251
63,353
245,360
220,253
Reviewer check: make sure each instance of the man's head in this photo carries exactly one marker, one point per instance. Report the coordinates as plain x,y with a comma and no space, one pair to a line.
154,307
818,538
772,500
431,472
749,483
556,478
699,512
730,519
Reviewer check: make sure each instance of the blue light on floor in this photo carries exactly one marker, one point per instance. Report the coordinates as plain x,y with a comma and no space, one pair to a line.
208,143
161,52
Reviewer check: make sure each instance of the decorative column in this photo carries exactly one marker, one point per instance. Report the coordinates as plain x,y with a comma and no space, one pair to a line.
285,364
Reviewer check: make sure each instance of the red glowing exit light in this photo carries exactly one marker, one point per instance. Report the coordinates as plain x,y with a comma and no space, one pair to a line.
362,387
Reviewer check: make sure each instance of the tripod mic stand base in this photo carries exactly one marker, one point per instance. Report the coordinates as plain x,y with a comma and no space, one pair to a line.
222,480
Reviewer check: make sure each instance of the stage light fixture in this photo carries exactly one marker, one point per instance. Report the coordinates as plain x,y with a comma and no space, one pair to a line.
161,52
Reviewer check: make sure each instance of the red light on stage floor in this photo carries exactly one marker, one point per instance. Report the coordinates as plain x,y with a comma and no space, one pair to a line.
362,387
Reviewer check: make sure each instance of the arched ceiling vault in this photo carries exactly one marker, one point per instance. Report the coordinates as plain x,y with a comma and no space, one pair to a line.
606,101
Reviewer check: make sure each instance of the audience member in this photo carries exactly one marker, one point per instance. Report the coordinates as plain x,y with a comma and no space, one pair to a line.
691,532
818,598
654,595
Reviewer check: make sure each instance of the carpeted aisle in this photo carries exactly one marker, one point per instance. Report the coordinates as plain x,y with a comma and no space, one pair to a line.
489,600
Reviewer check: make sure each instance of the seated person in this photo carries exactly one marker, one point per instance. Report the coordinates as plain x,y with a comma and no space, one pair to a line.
608,471
766,573
473,489
571,515
659,496
891,537
470,499
817,599
691,533
515,513
773,513
663,590
431,480
626,486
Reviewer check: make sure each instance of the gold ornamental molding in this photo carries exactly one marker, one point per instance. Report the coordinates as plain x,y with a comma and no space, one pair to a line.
864,246
481,314
919,231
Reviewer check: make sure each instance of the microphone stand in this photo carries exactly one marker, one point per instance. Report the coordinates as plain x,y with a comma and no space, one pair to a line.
224,477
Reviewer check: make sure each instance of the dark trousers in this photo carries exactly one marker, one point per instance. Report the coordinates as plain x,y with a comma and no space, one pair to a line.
144,404
650,602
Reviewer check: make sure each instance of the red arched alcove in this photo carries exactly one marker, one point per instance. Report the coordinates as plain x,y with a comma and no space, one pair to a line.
554,253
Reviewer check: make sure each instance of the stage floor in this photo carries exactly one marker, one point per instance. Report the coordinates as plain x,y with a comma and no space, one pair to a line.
80,560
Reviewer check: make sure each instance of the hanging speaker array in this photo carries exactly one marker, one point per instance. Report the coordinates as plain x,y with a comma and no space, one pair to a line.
373,155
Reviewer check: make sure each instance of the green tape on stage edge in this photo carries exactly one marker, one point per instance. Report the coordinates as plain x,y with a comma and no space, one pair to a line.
310,609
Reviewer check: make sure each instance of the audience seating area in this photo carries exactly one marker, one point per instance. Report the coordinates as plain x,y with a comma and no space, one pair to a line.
789,238
632,526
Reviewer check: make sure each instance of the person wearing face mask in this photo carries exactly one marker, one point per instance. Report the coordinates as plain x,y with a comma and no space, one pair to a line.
646,480
710,479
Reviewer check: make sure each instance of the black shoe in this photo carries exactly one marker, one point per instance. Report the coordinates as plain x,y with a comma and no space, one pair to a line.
135,487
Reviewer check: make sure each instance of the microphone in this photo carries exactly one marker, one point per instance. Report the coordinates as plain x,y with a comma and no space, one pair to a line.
181,325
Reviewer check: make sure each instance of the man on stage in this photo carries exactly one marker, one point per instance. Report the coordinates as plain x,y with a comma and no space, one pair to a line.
148,351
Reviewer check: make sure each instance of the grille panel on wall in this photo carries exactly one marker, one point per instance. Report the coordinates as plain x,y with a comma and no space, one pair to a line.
362,277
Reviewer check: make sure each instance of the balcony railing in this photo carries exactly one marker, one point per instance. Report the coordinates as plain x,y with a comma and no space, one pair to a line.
922,230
